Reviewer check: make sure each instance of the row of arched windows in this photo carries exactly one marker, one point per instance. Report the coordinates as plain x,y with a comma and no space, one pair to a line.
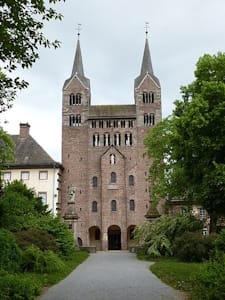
75,120
94,207
116,139
75,99
113,179
149,119
112,124
148,97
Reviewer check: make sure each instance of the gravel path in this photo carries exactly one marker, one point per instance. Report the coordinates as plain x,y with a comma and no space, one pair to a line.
113,275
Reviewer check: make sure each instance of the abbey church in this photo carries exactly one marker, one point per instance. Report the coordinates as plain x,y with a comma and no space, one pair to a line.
105,192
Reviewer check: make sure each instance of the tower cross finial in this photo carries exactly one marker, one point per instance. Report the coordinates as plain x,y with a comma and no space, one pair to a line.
78,29
146,28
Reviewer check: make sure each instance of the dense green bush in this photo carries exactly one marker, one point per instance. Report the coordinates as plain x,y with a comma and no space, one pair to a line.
35,260
10,253
34,236
193,247
210,282
62,234
157,237
19,207
12,287
220,242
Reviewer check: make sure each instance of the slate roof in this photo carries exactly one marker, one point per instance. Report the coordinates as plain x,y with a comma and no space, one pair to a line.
112,111
29,154
146,67
78,69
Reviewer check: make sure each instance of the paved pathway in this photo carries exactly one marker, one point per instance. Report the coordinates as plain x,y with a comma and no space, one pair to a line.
115,275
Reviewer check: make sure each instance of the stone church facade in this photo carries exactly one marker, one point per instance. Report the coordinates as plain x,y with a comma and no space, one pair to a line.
105,192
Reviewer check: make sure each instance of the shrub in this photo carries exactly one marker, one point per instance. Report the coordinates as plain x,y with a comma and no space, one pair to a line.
220,242
10,253
157,237
210,281
16,288
35,260
40,238
193,247
32,259
62,234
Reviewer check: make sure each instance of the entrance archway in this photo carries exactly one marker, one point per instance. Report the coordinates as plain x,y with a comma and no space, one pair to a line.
114,238
95,237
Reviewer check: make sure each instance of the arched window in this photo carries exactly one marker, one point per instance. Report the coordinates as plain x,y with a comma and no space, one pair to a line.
112,159
94,182
128,139
132,205
145,97
106,139
117,139
113,177
96,140
152,119
113,205
131,180
94,206
72,99
78,99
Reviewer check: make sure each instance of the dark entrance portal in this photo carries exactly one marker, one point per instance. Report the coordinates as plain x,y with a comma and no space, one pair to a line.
114,238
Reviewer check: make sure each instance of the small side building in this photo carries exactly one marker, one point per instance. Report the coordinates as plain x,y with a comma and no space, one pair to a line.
35,168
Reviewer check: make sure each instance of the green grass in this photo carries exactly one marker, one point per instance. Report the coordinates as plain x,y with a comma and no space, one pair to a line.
46,280
179,275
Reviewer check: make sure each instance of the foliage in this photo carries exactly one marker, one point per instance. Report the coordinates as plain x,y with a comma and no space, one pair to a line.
210,282
157,237
179,275
60,231
21,30
220,242
6,148
34,236
35,260
10,253
188,147
20,208
193,247
16,287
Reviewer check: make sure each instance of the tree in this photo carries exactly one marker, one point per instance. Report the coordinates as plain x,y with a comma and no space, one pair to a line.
6,148
21,31
189,146
19,207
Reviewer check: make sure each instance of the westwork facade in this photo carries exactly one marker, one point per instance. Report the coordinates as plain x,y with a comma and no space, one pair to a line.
105,192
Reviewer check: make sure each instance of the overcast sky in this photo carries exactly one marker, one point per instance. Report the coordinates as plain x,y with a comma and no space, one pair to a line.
112,44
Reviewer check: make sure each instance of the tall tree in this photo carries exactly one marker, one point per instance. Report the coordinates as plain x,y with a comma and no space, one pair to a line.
21,34
188,148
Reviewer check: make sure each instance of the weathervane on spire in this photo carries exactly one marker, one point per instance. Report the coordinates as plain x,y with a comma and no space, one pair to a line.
146,29
78,29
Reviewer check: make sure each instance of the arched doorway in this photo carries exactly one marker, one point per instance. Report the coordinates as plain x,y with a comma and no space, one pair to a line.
95,237
114,238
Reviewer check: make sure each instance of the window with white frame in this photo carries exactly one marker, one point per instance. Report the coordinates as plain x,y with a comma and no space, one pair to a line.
6,176
25,175
202,212
43,175
43,196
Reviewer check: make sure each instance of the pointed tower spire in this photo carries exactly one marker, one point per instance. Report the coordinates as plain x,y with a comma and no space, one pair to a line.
146,66
78,64
78,69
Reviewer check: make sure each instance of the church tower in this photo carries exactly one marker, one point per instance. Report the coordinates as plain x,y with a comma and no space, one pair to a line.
105,192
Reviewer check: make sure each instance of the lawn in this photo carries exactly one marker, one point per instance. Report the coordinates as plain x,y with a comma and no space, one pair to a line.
179,275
